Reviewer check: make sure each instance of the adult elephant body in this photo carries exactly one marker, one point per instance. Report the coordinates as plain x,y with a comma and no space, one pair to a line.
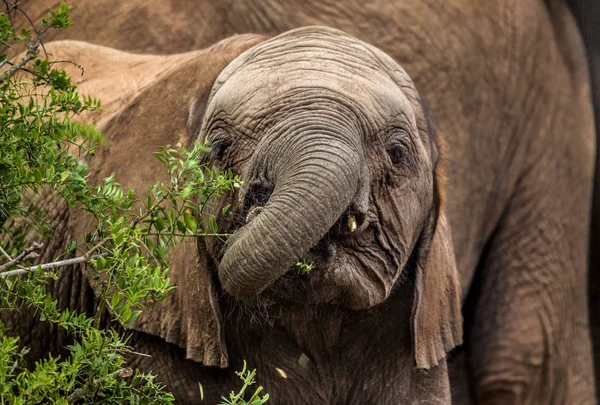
587,13
508,89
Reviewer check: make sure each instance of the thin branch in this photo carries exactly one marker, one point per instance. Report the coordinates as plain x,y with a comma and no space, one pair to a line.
32,53
5,61
24,351
77,65
14,366
28,253
5,254
27,70
139,354
96,247
17,8
88,388
48,266
92,386
38,31
189,235
9,8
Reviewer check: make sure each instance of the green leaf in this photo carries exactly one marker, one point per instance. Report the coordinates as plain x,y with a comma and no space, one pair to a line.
190,221
100,263
134,316
159,224
72,246
115,300
213,224
126,314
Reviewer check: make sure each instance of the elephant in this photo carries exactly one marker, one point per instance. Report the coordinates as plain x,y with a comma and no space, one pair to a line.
587,14
485,72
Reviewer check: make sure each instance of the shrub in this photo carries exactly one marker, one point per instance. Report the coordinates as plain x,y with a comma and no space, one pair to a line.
127,251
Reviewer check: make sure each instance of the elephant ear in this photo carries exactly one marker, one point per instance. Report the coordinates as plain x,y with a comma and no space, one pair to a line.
436,315
147,114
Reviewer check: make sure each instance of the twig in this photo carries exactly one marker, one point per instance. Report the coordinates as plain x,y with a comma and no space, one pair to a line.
38,31
139,354
93,385
5,61
9,8
190,235
5,254
88,388
32,53
24,351
96,247
17,8
28,253
48,266
77,65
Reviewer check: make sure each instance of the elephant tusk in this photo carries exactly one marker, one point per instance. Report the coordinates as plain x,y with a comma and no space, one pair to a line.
281,372
352,223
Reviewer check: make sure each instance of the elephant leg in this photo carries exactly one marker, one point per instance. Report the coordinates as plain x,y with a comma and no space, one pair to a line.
527,317
529,336
587,14
459,378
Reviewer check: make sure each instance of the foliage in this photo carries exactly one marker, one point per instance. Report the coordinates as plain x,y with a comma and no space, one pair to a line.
247,378
42,152
304,266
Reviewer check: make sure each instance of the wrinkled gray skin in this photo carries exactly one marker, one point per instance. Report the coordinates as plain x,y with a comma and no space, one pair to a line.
507,86
587,13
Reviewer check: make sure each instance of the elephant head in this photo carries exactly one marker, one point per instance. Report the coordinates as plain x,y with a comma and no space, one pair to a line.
341,167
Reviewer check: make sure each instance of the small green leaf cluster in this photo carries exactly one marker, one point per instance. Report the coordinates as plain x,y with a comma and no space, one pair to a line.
131,242
93,372
59,18
303,266
247,378
37,103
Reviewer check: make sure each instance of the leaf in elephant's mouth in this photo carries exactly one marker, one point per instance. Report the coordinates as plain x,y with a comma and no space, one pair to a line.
304,266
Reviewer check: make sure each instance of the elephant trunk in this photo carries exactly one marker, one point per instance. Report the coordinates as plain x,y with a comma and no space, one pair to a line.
315,183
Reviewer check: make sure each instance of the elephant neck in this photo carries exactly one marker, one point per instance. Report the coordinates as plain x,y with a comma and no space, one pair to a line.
348,349
325,332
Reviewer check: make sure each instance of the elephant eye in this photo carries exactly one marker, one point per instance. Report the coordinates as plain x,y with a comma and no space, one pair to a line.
218,148
397,153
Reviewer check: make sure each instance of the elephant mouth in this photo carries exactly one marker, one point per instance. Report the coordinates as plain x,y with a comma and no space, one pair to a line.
299,212
351,224
352,232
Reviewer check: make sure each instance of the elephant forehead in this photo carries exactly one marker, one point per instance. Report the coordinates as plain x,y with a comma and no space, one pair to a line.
255,89
318,48
314,62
